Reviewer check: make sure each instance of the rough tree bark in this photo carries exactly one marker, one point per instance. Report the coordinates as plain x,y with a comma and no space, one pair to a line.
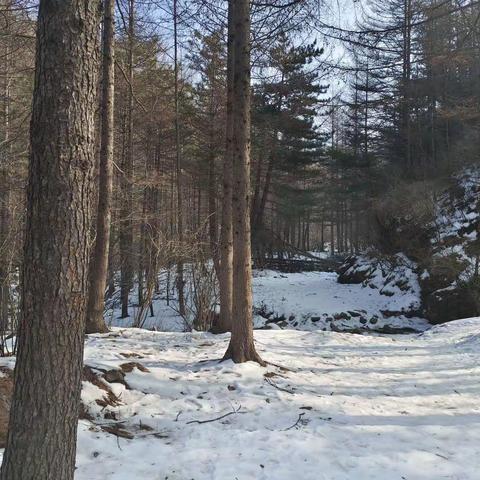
226,233
41,441
99,260
5,159
241,347
126,180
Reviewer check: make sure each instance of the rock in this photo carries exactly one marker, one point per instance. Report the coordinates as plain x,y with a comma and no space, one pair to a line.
450,304
315,319
443,271
352,272
341,316
277,319
403,285
387,293
128,367
363,320
389,330
114,376
374,320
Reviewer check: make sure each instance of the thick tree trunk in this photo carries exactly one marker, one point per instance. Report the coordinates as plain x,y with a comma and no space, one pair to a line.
226,232
99,261
241,348
41,441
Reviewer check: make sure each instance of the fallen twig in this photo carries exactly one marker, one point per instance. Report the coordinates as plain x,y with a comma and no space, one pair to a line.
273,384
233,412
299,419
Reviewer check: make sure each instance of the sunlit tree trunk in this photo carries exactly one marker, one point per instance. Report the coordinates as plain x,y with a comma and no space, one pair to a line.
241,348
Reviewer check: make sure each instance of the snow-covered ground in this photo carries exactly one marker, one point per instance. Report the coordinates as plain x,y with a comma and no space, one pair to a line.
314,300
304,301
336,407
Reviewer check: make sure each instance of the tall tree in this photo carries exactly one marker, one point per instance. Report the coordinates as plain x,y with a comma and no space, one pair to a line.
226,228
178,168
99,262
241,348
226,231
44,415
126,229
5,151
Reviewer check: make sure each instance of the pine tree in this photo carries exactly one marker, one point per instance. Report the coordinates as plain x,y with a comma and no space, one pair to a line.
44,414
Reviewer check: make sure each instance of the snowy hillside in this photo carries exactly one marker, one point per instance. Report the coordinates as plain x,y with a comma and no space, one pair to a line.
334,406
450,282
315,300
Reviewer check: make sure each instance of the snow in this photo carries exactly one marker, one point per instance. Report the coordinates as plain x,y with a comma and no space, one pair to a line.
300,297
338,407
310,295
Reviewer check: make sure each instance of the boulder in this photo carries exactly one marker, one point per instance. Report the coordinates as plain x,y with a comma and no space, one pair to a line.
451,304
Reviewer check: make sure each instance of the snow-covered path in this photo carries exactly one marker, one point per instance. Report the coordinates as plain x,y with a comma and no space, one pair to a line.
337,407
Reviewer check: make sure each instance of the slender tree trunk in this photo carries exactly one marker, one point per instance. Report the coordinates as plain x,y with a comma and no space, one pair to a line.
42,433
99,262
6,237
242,347
226,232
265,192
126,227
322,235
332,236
178,169
405,110
212,206
4,182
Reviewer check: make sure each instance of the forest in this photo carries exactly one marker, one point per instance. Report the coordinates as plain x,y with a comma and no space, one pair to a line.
239,239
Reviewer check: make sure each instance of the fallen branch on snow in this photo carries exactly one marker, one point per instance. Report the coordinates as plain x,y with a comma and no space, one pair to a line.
233,412
273,384
298,422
